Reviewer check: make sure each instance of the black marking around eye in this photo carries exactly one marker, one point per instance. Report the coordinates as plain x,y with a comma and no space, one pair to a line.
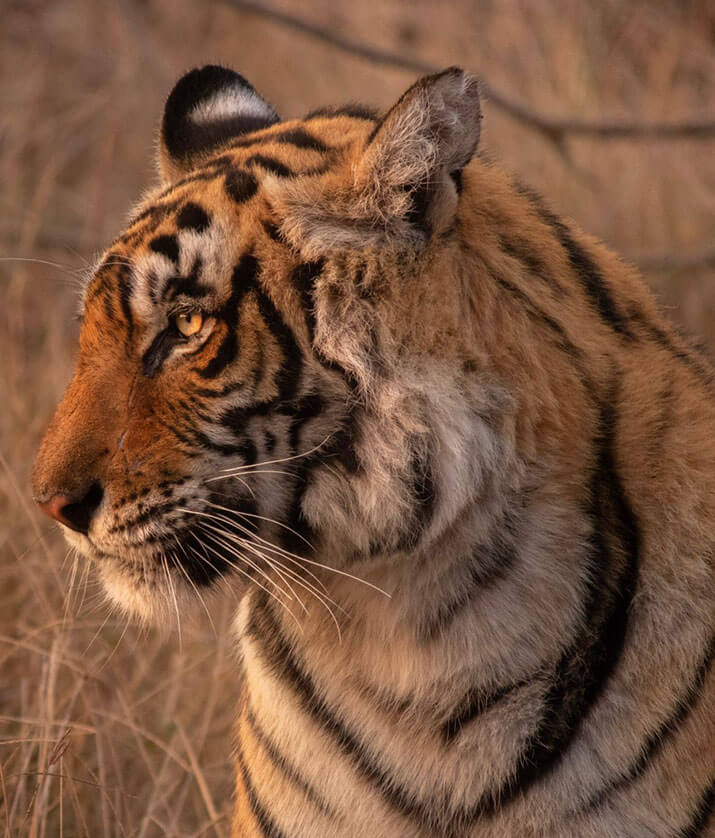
158,352
166,245
240,185
271,165
193,217
243,278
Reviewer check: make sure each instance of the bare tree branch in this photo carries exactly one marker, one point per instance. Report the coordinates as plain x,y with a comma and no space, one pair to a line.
554,129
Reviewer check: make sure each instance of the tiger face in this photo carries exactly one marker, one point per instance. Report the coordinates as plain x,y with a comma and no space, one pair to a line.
262,345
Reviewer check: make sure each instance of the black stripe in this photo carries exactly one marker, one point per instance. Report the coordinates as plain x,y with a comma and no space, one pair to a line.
167,246
488,564
270,164
159,351
423,492
476,702
240,186
355,111
214,168
149,219
300,138
237,417
584,267
309,407
288,377
273,232
697,365
342,444
225,355
125,290
264,629
243,280
335,366
304,277
562,339
193,217
701,816
265,823
298,534
289,771
533,263
586,665
187,286
658,737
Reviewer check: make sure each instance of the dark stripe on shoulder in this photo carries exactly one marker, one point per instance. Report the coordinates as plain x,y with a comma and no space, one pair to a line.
536,267
698,365
266,824
561,337
289,771
585,666
660,736
584,267
701,816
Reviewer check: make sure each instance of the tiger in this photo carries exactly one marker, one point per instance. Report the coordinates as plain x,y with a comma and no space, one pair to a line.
458,467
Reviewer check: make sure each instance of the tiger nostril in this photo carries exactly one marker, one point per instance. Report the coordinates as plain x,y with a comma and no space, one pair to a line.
73,513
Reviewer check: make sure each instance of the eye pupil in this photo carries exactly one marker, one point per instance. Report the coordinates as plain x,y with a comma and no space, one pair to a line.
189,322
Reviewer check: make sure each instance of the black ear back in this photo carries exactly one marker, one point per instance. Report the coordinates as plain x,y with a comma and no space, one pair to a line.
206,109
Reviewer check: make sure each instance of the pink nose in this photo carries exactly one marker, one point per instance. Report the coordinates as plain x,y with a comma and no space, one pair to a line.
54,507
73,513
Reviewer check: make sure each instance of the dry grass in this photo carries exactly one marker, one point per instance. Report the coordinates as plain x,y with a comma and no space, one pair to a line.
104,730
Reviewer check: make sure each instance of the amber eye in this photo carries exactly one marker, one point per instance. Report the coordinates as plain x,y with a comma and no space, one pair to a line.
189,323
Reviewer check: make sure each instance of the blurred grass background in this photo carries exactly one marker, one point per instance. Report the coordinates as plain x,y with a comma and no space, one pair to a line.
106,730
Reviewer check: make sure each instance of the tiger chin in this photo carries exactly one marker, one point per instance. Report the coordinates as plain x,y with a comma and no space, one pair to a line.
458,465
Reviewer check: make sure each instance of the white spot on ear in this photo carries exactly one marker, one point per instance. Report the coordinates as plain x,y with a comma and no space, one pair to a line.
232,102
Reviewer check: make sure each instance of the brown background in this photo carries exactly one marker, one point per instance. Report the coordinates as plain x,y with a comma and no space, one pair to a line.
106,730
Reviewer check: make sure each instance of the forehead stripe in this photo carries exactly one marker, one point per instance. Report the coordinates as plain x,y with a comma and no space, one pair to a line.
270,165
193,217
240,186
166,245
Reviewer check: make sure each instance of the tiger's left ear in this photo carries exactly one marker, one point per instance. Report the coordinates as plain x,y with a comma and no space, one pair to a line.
207,108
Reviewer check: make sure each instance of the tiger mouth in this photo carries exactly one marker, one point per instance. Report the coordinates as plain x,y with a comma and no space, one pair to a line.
198,553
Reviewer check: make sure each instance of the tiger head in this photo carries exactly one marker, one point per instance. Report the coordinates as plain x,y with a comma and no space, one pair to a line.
271,357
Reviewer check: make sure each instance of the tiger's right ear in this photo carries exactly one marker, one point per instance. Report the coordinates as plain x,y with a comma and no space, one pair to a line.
207,108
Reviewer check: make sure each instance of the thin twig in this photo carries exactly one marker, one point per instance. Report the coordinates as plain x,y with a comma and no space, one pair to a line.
554,128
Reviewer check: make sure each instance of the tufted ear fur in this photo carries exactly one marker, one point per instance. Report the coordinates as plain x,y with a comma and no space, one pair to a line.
405,183
414,157
207,108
